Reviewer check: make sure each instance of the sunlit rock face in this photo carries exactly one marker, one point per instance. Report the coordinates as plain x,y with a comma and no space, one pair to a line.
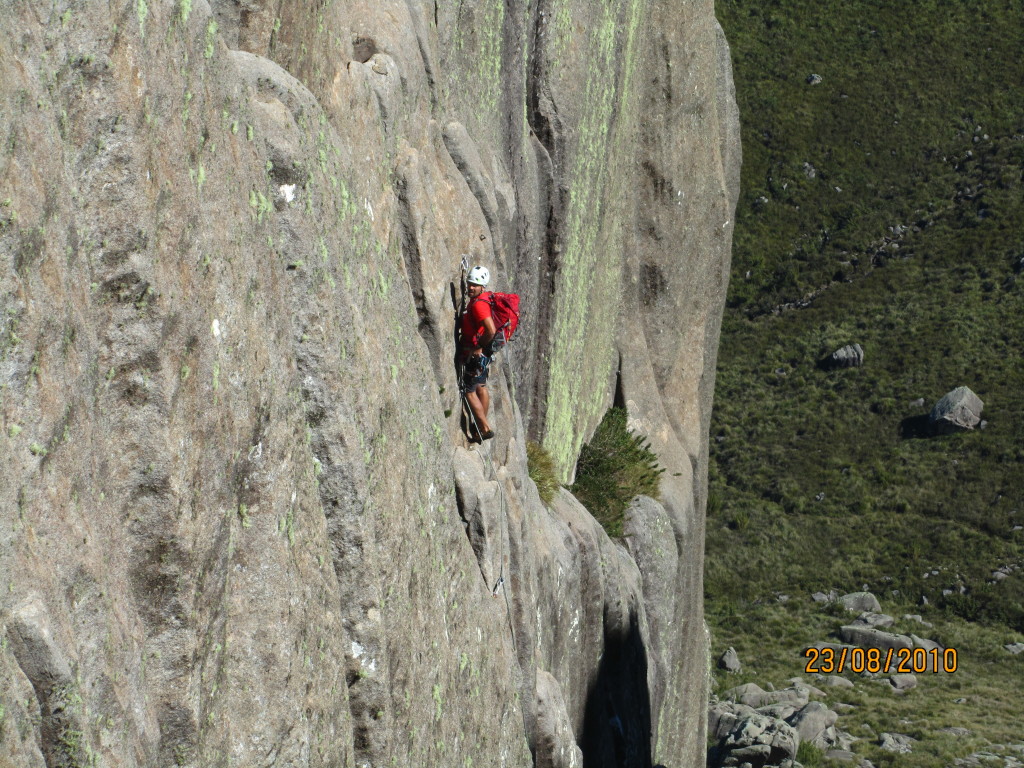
240,521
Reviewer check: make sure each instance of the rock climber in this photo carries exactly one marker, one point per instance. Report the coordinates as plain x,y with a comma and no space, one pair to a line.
476,334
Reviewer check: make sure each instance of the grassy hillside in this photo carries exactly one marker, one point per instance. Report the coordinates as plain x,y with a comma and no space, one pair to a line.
883,205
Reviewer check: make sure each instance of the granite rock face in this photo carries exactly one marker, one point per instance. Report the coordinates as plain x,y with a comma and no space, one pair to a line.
240,522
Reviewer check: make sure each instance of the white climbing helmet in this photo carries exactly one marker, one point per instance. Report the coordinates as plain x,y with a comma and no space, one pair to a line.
479,276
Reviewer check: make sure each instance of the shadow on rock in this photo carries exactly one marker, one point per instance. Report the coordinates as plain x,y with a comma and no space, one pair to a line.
617,721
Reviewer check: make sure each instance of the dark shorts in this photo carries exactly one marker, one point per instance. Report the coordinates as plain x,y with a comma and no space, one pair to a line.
475,373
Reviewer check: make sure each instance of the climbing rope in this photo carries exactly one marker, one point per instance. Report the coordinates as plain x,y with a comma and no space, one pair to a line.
503,510
500,583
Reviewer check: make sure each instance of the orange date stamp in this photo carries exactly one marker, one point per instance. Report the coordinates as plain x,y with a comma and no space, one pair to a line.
835,661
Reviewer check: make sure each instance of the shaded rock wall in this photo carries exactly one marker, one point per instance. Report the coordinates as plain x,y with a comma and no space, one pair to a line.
233,527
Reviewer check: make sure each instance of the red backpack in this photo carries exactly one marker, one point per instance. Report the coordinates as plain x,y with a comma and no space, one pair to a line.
505,311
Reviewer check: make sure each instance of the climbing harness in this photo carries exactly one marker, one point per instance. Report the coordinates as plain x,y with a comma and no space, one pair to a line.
462,363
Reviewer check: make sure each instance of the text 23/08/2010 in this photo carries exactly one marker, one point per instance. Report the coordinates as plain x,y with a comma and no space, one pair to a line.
830,661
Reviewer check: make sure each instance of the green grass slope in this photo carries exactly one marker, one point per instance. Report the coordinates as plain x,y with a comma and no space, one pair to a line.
883,206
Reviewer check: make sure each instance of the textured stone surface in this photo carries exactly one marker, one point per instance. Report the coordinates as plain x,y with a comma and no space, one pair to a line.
752,695
850,356
896,742
869,637
814,723
956,411
868,619
760,741
730,661
234,527
860,602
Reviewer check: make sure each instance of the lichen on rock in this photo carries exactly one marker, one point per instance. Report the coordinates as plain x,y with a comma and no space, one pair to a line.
242,523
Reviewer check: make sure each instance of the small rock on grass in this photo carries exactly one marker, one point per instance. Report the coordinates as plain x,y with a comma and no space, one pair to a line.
896,742
903,683
730,661
835,681
956,731
841,755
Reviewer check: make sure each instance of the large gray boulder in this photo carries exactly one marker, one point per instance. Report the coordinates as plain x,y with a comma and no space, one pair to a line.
814,723
896,742
836,681
860,602
958,410
850,356
923,642
869,637
760,741
723,716
730,661
752,695
903,682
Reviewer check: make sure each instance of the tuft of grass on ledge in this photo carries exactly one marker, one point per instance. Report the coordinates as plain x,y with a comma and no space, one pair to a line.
614,468
542,471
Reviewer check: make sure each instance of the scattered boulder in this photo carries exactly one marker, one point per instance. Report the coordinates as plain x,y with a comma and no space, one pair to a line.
919,403
844,740
903,682
723,716
993,756
758,741
850,356
859,602
821,597
896,742
923,642
915,617
1014,648
778,711
800,684
835,681
956,731
958,410
869,619
813,79
730,661
814,723
752,695
841,755
869,637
